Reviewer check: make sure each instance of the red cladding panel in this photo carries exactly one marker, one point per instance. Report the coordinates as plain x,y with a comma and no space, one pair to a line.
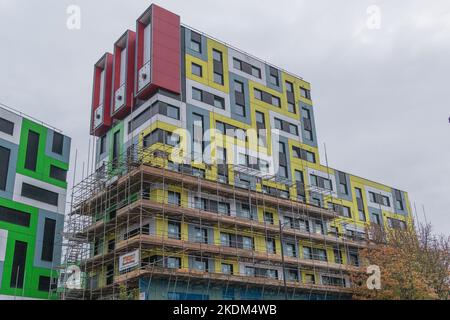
166,51
105,63
166,36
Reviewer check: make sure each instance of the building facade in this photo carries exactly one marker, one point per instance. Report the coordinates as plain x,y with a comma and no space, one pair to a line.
209,183
34,160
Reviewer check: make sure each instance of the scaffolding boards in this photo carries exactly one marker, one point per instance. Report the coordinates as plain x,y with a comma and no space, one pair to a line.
124,207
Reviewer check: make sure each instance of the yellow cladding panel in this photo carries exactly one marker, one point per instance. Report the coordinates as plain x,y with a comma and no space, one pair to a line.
299,163
255,102
369,183
214,45
297,84
207,76
204,65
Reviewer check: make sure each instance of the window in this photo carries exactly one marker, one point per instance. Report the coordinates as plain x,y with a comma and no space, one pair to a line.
223,208
286,126
198,133
173,112
396,224
310,156
310,279
174,198
247,243
196,70
291,107
290,250
161,136
316,201
218,78
32,151
278,124
304,154
201,235
256,72
353,257
292,275
360,204
274,80
376,218
386,201
260,117
289,86
4,165
58,143
372,197
173,263
58,173
45,284
268,217
147,42
6,126
14,216
238,86
18,264
399,204
318,227
288,221
305,93
227,268
239,110
314,254
309,135
237,64
174,230
258,94
103,144
225,239
293,129
276,101
196,42
270,244
116,145
39,194
282,171
333,281
321,182
306,113
197,94
219,102
337,252
217,55
48,240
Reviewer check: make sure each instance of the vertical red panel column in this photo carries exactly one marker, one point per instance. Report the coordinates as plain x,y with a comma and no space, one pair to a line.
101,95
158,50
123,75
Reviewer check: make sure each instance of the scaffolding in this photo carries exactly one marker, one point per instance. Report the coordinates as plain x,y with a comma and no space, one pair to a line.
125,207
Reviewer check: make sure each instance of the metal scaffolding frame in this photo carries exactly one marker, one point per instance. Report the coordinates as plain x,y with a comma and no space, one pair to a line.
132,191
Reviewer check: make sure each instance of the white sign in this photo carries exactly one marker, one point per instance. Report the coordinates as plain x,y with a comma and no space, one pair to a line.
129,260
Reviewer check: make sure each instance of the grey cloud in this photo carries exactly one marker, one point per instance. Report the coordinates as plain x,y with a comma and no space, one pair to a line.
381,96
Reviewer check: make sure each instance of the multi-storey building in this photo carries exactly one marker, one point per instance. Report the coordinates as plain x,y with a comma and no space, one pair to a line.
34,159
189,203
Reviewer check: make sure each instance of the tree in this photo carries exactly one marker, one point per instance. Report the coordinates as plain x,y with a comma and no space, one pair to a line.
414,265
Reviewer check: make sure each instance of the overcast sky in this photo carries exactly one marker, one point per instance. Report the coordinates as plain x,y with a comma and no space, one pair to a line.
381,96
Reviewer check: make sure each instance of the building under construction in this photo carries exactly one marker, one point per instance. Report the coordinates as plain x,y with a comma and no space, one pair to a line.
208,182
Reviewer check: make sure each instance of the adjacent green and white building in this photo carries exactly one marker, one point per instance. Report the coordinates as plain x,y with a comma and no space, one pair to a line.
34,160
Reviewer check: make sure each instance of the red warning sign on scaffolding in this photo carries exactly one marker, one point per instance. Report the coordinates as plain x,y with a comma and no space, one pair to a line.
129,260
